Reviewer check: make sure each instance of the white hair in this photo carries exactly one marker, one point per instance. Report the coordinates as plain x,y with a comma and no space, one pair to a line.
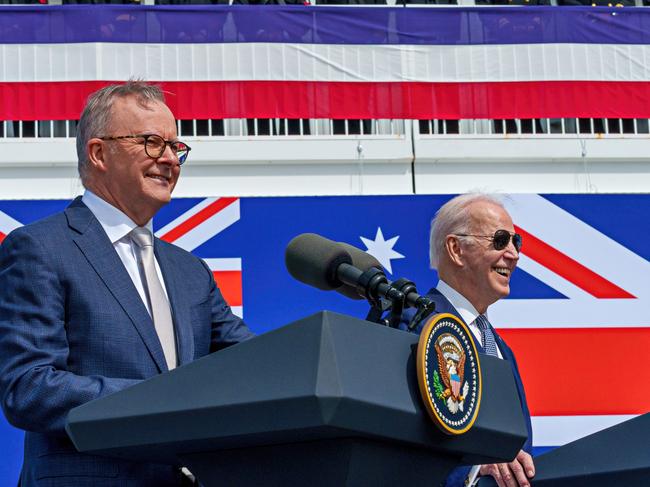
453,218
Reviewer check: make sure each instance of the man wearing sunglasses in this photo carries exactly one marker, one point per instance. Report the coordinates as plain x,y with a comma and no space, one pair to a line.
474,247
92,303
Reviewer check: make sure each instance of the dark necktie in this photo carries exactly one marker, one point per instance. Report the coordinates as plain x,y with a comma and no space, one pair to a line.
487,336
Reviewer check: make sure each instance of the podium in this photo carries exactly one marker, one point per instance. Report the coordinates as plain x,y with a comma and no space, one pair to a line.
328,400
614,456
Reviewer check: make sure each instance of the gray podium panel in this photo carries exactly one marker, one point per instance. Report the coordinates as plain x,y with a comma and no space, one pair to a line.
324,379
614,456
327,463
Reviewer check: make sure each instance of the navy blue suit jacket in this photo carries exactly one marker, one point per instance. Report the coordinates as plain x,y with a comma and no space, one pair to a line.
457,477
74,328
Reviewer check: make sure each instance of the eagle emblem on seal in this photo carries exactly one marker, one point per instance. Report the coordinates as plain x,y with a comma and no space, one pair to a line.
451,364
449,373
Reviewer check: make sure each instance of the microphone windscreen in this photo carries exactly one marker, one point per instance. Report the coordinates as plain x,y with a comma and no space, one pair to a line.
362,261
313,260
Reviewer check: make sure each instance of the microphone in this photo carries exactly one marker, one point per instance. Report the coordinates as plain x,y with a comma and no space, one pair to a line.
314,260
362,261
327,265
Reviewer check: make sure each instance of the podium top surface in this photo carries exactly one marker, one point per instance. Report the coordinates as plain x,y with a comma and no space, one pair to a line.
325,376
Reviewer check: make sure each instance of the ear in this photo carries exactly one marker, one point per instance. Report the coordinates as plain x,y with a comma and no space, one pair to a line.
95,149
454,250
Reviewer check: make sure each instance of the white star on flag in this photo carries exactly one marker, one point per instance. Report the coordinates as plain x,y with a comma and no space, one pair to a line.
382,250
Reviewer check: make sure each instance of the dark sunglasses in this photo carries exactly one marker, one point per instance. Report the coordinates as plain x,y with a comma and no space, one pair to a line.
500,239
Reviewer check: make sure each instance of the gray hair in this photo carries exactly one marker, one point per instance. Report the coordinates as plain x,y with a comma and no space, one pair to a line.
453,217
96,116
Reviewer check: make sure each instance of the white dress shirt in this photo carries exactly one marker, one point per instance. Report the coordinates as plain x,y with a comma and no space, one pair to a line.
465,309
118,227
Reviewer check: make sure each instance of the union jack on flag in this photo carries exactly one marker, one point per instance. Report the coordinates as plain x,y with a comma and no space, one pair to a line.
197,225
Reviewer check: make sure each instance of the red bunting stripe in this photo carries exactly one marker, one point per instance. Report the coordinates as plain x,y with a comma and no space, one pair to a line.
338,100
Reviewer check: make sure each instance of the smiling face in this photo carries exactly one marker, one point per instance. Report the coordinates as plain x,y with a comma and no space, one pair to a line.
123,174
484,272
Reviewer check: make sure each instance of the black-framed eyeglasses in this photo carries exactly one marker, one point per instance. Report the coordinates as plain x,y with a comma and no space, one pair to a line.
154,145
500,239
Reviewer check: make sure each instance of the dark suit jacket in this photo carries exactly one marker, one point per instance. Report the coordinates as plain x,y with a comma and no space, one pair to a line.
74,328
457,477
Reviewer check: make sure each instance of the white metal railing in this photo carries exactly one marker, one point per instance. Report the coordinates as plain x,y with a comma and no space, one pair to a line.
239,127
282,127
38,129
596,127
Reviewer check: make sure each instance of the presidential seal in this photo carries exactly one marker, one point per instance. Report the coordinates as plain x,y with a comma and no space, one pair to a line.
449,373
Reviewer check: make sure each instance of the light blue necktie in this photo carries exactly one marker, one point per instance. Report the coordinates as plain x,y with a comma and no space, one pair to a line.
487,337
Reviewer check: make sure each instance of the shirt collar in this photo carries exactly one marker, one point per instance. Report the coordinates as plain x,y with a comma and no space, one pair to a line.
465,309
114,222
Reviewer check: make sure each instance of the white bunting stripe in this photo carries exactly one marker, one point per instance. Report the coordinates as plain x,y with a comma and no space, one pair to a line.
323,62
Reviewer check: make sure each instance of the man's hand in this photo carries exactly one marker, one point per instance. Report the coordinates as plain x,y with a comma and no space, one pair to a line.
513,474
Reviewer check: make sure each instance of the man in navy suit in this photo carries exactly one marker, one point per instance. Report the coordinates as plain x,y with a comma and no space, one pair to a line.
85,310
475,249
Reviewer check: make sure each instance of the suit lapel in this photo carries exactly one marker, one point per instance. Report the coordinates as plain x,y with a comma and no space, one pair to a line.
98,250
178,302
444,306
506,353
